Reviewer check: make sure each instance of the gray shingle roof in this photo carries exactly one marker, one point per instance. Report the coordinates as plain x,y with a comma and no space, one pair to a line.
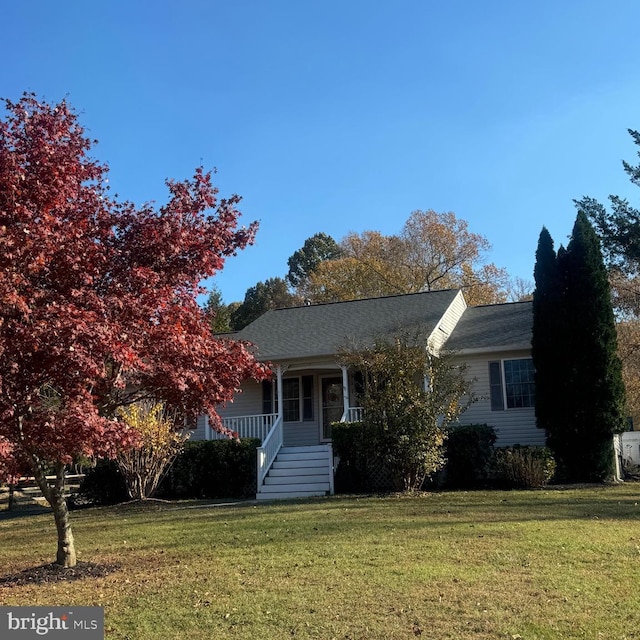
497,326
325,329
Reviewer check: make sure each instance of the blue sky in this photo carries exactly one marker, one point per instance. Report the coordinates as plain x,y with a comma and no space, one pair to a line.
347,115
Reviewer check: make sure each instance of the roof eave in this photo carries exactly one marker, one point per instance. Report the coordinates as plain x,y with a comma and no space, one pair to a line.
520,346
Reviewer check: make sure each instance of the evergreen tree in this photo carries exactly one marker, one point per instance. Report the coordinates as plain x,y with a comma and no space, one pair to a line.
218,312
618,228
304,261
594,383
546,341
582,395
270,294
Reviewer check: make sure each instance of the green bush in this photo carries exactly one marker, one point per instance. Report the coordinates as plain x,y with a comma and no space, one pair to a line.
213,469
469,453
360,469
405,419
524,467
102,484
205,469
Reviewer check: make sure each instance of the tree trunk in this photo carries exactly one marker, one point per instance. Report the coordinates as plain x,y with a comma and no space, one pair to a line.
54,494
66,555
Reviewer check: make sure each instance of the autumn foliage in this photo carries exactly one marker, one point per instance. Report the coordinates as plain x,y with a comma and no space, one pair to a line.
98,305
432,251
160,441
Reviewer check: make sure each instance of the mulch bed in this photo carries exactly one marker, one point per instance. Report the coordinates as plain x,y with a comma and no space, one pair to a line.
48,573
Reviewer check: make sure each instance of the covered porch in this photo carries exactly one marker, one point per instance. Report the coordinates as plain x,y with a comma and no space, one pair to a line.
298,405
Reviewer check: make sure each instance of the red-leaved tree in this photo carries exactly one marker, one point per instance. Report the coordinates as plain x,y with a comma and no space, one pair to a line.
98,301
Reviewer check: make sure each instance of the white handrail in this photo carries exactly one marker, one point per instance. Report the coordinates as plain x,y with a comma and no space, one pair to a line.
256,426
269,450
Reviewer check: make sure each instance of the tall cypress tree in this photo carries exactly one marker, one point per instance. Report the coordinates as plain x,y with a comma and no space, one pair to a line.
579,388
593,387
546,341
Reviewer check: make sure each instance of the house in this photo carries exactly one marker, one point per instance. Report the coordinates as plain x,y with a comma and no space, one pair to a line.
310,389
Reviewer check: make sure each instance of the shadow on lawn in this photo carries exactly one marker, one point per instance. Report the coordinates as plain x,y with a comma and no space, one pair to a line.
318,518
606,502
23,512
612,502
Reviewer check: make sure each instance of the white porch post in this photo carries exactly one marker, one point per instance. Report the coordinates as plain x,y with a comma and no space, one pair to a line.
279,390
207,428
346,402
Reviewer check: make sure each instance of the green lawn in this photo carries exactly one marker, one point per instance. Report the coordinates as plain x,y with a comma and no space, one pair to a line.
515,565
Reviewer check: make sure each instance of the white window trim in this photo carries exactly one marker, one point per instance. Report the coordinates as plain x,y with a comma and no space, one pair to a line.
503,385
300,398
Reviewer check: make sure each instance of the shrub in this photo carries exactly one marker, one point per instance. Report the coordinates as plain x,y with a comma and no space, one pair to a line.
360,468
213,469
405,417
103,484
144,465
469,453
524,467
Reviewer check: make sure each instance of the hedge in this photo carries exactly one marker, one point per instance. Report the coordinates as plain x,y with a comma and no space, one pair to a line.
205,469
213,469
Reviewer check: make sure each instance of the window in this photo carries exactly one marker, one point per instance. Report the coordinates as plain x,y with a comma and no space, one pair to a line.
495,385
297,398
269,397
511,384
307,398
291,399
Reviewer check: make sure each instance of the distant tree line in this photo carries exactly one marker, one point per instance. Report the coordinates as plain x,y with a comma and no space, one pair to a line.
432,251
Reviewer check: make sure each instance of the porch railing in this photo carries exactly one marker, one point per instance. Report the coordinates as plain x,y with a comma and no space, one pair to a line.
257,426
352,414
269,450
268,428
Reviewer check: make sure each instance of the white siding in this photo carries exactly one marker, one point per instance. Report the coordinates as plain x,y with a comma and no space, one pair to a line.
198,432
630,446
448,322
513,426
300,434
247,403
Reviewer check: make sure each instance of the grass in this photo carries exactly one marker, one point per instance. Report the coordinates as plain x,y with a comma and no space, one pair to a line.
515,565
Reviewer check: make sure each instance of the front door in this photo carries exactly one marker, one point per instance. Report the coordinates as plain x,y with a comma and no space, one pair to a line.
332,404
